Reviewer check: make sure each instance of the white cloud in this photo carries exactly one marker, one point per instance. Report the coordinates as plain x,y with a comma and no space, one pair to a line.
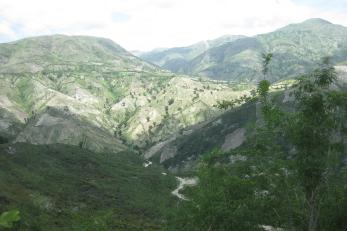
6,30
146,24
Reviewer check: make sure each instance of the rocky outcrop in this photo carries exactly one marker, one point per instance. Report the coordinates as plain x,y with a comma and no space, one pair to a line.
234,140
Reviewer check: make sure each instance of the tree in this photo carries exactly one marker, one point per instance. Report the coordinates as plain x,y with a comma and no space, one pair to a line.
309,131
171,101
264,85
225,104
266,59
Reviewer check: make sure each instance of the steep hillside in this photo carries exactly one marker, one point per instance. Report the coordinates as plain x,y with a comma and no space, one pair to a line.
61,187
98,84
226,131
296,49
175,59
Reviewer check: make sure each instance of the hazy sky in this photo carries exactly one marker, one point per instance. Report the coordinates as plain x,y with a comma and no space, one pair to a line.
147,24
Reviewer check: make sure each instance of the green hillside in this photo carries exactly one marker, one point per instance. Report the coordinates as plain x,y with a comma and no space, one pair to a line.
60,187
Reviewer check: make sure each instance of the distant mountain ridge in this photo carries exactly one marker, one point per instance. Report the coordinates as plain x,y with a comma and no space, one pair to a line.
174,58
297,48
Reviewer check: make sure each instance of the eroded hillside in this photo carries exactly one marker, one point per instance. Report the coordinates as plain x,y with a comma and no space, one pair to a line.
78,90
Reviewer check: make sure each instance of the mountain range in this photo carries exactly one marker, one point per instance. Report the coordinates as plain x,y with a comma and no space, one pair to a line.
79,89
296,49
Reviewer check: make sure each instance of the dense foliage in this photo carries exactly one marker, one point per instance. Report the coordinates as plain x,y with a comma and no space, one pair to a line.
290,173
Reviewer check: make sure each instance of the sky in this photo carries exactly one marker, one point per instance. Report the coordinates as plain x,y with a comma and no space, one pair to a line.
147,24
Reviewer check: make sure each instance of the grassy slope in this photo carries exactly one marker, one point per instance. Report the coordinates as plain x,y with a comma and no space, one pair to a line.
59,187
